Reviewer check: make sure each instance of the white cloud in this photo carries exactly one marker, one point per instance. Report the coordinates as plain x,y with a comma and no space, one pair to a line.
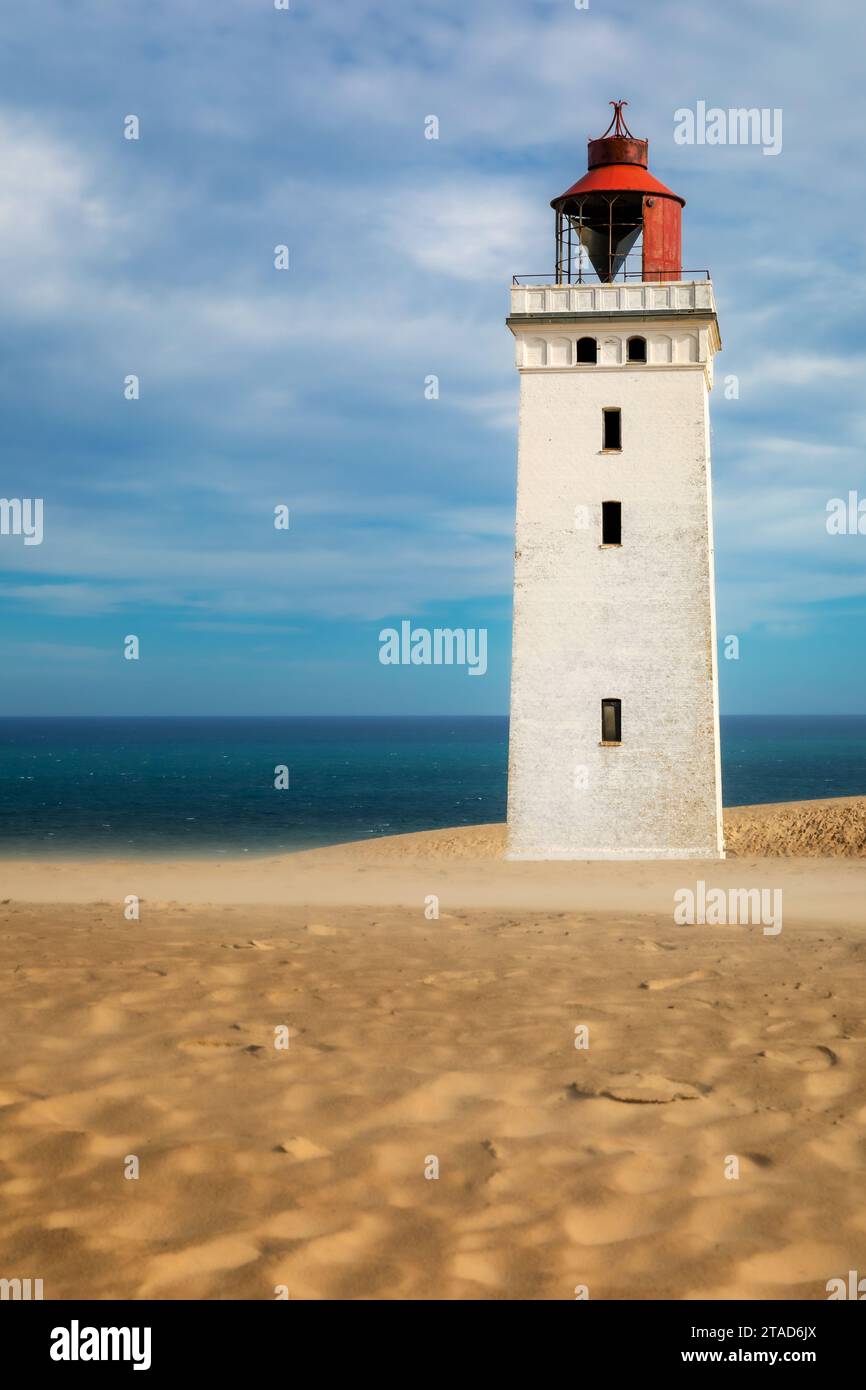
55,223
473,229
155,259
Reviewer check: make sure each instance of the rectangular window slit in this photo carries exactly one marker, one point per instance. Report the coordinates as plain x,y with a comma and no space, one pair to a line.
611,721
611,429
611,523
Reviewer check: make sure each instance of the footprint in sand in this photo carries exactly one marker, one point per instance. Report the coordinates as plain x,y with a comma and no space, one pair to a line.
300,1148
760,1160
692,978
818,1058
638,1088
196,1045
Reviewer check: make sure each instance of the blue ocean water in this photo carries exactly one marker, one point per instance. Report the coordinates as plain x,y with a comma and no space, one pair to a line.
175,786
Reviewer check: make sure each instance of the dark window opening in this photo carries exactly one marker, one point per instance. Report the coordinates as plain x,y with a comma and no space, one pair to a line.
612,429
636,350
611,721
587,350
611,523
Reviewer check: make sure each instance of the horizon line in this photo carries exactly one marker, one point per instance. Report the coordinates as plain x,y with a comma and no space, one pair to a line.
806,714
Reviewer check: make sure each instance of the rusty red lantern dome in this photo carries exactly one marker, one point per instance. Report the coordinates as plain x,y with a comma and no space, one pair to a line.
616,203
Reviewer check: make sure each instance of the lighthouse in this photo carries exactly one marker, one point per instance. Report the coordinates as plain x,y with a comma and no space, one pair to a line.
614,733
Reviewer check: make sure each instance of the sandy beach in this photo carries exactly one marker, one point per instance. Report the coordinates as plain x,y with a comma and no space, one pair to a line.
413,1037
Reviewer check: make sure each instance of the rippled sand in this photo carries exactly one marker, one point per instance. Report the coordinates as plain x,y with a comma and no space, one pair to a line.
412,1040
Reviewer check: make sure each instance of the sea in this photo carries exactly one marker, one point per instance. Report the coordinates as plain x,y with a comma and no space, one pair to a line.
163,787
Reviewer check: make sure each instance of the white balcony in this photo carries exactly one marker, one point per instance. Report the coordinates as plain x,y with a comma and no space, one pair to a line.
673,297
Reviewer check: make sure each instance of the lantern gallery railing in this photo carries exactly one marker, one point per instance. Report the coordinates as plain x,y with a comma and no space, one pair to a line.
552,298
589,277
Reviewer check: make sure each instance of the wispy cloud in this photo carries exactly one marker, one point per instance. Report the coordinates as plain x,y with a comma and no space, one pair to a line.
306,127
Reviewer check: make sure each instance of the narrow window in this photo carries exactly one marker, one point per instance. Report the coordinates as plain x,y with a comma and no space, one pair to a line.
636,350
611,523
587,350
611,429
611,721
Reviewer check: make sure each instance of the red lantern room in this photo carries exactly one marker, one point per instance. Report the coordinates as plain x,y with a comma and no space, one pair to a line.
616,212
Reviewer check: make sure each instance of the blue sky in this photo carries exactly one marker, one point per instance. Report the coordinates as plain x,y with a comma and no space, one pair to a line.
305,387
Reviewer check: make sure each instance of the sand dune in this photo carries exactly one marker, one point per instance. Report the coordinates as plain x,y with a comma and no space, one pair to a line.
412,1039
830,828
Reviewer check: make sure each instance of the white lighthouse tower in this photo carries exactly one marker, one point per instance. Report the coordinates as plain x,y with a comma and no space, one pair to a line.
614,740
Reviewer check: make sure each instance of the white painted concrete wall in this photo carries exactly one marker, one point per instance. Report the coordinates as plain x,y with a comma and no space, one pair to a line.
635,623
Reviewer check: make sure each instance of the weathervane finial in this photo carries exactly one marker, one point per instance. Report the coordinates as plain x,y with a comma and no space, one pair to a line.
618,125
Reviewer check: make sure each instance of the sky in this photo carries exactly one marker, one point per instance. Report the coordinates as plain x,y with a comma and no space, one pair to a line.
305,387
